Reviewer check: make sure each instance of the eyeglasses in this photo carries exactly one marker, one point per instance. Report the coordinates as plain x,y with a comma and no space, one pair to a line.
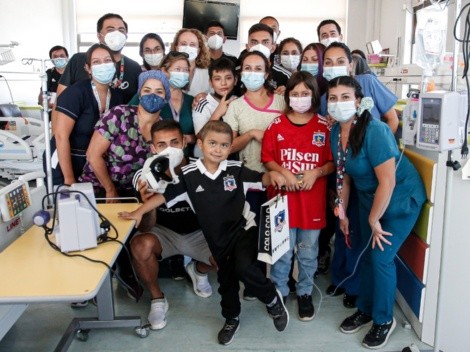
178,54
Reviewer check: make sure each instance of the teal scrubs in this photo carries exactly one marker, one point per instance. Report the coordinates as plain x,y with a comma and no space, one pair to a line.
377,276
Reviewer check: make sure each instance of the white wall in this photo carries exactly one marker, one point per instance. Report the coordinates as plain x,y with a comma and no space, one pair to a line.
37,26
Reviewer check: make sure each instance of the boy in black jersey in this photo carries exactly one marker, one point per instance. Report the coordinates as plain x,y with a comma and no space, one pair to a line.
215,188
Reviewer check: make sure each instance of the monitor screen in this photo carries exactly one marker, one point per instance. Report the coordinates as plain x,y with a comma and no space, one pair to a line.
197,14
431,110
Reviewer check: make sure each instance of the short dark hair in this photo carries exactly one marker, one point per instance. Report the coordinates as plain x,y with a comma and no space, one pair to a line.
359,52
56,48
340,45
216,126
261,27
99,24
324,23
309,81
222,64
92,48
269,18
214,24
166,125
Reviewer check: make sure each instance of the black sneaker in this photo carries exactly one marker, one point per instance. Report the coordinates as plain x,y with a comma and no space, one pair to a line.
378,335
176,267
306,310
355,322
334,290
279,313
227,333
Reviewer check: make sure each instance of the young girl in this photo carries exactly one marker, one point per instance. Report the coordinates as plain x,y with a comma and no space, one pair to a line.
296,144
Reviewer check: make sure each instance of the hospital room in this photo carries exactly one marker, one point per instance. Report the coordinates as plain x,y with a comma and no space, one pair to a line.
234,175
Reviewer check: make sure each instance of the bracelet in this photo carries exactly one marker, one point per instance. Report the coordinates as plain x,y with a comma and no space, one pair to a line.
321,171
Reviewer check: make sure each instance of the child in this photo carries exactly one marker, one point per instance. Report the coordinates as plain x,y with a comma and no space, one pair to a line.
296,144
215,187
223,79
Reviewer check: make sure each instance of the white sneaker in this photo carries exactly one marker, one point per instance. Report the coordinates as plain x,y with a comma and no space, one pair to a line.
157,315
201,284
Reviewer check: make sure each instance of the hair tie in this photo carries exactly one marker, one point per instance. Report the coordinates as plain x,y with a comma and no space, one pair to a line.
366,104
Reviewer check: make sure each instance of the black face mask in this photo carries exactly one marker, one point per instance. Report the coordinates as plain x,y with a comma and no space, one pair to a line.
219,97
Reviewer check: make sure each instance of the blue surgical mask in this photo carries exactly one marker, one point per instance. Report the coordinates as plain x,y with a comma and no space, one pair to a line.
253,80
152,102
60,62
179,79
334,71
103,73
310,68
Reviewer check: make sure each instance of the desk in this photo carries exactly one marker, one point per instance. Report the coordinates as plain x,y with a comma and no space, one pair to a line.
32,272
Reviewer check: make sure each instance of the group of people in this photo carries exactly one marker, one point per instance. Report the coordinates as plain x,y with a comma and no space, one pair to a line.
280,116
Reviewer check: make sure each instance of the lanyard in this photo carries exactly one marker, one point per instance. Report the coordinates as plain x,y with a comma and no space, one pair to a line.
118,83
176,114
98,100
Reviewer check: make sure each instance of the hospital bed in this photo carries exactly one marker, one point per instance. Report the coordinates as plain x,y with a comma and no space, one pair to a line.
22,144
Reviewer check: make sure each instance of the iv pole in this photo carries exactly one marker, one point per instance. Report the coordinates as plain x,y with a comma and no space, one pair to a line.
45,119
448,197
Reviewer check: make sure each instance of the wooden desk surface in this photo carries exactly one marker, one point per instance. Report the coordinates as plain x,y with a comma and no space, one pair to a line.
31,271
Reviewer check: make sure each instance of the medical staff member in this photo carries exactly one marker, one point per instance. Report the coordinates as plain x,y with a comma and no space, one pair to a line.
390,193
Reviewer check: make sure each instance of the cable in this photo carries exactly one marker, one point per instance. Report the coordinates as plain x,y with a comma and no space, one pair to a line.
465,52
6,81
105,225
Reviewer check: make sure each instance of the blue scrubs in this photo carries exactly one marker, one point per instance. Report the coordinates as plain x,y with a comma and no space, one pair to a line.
377,275
344,258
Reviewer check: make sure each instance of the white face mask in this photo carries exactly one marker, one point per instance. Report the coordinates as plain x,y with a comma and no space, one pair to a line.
291,62
342,111
300,104
115,40
261,48
191,51
326,42
153,59
331,72
215,42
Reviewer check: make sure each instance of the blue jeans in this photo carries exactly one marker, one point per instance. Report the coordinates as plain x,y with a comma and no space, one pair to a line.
306,242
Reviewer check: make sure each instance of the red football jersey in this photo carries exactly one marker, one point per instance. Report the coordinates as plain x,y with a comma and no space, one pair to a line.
299,148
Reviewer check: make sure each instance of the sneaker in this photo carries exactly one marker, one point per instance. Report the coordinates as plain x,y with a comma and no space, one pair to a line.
157,314
201,285
306,310
349,301
324,262
82,304
133,288
227,333
378,335
355,322
334,290
279,313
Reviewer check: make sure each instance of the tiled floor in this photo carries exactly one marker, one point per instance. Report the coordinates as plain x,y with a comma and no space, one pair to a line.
193,323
